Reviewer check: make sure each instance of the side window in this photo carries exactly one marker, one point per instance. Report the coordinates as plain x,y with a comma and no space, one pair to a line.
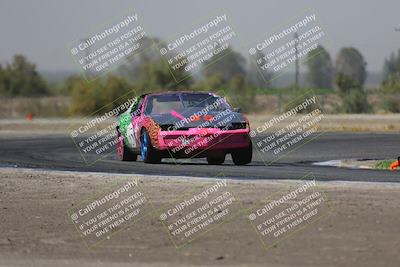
136,109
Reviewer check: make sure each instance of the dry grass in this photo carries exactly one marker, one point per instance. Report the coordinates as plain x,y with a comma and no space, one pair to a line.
346,123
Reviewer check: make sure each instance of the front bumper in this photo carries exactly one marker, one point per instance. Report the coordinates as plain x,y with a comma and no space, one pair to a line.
198,139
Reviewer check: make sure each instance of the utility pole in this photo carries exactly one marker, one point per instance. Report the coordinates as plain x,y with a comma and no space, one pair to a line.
296,78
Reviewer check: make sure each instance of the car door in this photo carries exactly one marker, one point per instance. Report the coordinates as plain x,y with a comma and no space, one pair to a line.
133,129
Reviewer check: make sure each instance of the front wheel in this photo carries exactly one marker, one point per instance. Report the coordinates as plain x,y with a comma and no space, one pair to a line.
148,153
242,156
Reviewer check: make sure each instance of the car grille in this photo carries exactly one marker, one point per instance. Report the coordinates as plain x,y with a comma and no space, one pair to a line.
232,126
236,126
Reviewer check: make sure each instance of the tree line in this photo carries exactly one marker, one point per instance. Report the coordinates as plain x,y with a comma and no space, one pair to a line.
231,73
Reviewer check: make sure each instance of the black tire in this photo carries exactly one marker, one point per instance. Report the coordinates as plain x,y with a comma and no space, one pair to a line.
127,154
151,154
216,159
242,156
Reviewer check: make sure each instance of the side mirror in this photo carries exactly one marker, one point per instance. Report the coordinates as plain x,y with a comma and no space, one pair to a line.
238,110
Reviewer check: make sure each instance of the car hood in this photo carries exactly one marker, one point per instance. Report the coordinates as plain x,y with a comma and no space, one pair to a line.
186,119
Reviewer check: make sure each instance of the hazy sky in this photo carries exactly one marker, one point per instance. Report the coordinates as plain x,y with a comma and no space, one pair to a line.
42,29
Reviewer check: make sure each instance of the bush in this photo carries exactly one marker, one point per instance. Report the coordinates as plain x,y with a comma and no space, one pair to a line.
354,102
88,98
390,90
241,95
354,98
391,103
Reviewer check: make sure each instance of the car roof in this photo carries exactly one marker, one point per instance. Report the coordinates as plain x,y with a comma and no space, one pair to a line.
177,92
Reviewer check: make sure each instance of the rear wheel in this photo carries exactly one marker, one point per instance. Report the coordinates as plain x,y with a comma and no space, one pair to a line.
148,153
216,159
242,156
124,153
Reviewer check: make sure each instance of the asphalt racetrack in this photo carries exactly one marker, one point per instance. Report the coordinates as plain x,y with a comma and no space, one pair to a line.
57,152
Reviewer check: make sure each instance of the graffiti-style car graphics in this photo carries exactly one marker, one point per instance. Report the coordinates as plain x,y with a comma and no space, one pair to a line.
183,125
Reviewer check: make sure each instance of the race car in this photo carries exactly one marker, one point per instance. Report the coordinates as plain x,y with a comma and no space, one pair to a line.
183,125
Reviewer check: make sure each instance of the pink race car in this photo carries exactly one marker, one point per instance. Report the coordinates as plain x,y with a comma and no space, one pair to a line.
183,125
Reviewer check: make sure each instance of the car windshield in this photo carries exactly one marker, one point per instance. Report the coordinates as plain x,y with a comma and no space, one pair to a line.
158,104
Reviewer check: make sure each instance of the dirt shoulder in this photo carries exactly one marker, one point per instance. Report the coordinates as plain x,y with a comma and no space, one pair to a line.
359,229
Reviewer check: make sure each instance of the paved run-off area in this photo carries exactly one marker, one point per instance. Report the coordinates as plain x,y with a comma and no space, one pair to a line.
360,228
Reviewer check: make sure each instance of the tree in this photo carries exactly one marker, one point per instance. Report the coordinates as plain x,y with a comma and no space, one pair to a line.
100,95
255,74
351,63
391,85
320,69
390,90
149,71
391,66
68,84
86,96
21,78
226,62
156,76
214,83
116,92
130,69
3,81
226,69
350,77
